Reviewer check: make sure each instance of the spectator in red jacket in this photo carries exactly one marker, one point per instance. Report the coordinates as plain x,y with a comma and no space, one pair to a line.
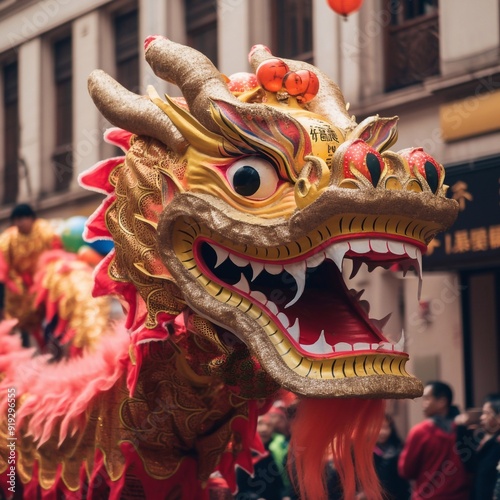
429,457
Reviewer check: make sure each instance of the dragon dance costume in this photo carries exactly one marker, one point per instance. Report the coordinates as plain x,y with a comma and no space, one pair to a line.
232,212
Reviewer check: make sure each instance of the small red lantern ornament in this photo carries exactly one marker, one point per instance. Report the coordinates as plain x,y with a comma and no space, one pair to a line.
302,84
345,7
270,74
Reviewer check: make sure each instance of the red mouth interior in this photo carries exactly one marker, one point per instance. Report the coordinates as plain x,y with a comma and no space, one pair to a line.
325,305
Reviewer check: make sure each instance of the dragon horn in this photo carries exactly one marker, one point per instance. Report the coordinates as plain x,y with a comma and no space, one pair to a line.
132,112
329,101
195,75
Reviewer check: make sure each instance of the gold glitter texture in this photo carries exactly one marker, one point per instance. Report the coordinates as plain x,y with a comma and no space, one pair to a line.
166,412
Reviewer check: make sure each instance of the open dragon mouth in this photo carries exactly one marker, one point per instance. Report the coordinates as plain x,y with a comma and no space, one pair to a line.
307,298
289,302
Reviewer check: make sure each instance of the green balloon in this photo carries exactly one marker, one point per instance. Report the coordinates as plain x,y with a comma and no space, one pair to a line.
72,233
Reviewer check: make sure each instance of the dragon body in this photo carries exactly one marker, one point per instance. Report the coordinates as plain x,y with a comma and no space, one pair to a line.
232,213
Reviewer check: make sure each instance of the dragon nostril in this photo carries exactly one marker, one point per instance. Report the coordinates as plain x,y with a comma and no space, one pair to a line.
361,163
431,175
374,167
422,164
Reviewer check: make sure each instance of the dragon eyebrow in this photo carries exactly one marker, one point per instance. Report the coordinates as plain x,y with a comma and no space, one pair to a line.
267,131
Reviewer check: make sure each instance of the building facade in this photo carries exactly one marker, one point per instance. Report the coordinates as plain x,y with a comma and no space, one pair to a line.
434,64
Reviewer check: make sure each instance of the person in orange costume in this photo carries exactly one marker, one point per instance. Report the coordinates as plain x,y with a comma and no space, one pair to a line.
20,247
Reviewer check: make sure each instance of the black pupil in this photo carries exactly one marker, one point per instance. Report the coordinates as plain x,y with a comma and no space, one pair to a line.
246,181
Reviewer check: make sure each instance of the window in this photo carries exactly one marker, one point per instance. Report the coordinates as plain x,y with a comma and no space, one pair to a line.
402,11
63,154
127,50
412,42
11,133
201,26
293,33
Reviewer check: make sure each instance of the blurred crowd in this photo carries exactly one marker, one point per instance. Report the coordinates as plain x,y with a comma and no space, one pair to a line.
448,456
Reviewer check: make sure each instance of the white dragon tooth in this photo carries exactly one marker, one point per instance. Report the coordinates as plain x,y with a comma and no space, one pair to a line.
284,320
360,246
396,247
410,250
361,346
379,246
298,271
315,260
273,268
243,284
336,253
419,262
239,261
419,272
399,347
294,331
272,307
375,346
342,347
222,255
319,347
356,264
259,297
257,268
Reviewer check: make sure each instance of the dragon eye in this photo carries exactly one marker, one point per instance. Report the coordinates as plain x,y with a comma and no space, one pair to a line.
253,177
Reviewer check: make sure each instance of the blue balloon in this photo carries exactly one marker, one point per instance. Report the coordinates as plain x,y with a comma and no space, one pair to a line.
102,246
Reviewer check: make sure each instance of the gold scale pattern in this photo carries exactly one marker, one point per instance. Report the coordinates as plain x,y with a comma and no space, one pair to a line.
166,411
132,220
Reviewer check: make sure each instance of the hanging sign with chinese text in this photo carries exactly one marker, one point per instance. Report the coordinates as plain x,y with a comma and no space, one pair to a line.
474,239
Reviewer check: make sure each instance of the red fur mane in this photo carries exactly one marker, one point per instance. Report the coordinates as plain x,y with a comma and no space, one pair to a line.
345,428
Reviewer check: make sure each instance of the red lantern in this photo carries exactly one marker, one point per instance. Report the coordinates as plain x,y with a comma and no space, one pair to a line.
345,7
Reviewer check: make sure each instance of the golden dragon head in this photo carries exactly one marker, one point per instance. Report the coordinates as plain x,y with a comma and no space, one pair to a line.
240,203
